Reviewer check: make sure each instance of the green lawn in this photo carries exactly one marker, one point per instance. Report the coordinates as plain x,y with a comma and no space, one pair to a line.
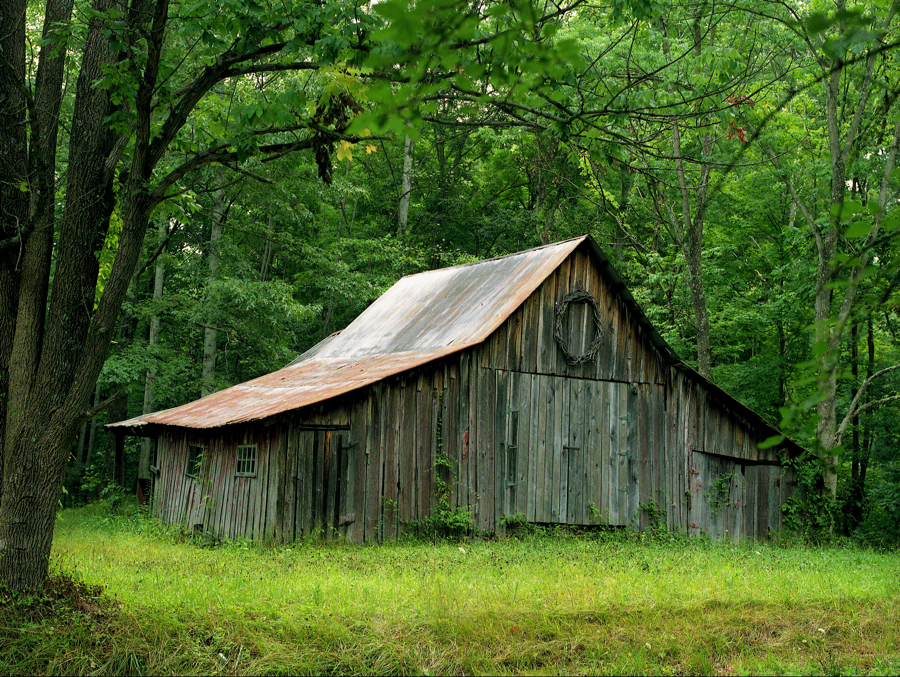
539,604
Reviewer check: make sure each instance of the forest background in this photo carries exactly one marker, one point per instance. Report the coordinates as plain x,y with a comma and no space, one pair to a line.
270,168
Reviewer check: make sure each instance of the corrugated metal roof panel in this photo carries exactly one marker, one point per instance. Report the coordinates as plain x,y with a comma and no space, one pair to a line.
421,318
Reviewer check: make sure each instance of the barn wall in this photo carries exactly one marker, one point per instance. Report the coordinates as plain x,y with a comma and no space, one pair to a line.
217,500
722,484
524,432
525,342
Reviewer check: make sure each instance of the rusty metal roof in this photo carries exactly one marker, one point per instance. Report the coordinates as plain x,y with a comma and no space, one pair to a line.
420,319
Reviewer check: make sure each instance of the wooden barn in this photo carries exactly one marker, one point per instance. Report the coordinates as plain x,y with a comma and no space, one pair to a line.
529,386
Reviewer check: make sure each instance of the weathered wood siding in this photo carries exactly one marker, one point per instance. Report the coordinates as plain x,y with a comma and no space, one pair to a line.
525,433
217,500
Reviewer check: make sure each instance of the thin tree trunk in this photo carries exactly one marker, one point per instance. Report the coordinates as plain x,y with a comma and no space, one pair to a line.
82,443
267,252
114,465
210,334
92,438
693,247
147,444
405,188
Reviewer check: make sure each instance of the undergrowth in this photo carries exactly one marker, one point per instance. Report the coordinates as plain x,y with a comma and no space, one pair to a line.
545,601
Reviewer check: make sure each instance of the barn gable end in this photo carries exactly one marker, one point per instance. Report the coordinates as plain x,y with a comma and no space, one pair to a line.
505,424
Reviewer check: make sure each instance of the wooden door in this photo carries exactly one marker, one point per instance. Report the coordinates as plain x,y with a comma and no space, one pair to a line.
322,495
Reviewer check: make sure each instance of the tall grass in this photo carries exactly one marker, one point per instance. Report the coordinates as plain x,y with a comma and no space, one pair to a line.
543,603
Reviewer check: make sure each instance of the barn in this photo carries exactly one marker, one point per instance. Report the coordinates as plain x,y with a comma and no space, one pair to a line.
529,387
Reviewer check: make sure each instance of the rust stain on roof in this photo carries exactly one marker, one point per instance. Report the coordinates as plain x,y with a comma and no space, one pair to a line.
420,319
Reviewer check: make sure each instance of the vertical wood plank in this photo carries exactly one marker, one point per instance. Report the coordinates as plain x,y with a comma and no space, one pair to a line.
499,456
558,285
331,490
514,340
276,440
632,462
498,343
575,499
260,486
426,404
614,486
372,514
547,350
451,434
475,388
537,448
391,469
560,483
406,455
512,477
228,456
530,333
465,440
645,442
525,452
543,448
359,425
595,443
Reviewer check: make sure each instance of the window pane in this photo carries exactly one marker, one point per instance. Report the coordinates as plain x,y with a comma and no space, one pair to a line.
246,460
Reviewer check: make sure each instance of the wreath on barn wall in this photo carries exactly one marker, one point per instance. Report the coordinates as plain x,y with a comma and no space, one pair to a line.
562,309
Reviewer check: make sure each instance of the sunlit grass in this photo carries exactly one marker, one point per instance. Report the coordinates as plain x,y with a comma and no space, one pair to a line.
539,604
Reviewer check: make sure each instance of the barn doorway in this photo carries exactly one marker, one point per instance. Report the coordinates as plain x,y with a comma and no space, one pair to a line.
319,482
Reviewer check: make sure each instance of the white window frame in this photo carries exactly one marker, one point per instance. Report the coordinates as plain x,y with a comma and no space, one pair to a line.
245,460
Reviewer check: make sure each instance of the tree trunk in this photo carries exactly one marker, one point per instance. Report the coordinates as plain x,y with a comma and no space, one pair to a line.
13,173
114,463
47,387
80,455
267,251
147,444
92,438
210,334
405,188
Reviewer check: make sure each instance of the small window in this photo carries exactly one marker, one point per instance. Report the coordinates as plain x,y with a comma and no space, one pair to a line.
195,460
246,461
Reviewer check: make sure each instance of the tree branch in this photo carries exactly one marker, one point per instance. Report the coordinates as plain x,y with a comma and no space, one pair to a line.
103,406
853,411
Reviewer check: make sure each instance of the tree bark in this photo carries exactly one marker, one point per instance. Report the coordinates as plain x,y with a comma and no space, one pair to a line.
44,363
13,174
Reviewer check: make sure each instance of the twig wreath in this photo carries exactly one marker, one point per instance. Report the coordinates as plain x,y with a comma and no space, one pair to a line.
562,308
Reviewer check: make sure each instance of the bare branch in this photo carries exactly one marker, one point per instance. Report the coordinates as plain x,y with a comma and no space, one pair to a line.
272,68
853,410
103,406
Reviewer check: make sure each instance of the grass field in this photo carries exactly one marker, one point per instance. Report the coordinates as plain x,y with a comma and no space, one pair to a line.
544,603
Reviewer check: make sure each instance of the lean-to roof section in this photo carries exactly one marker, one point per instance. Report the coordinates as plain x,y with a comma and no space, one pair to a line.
420,319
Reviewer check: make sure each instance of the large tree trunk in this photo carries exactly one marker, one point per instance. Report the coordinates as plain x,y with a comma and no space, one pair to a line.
13,172
54,368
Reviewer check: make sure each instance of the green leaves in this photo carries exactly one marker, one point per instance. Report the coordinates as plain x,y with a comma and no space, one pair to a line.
855,36
845,210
